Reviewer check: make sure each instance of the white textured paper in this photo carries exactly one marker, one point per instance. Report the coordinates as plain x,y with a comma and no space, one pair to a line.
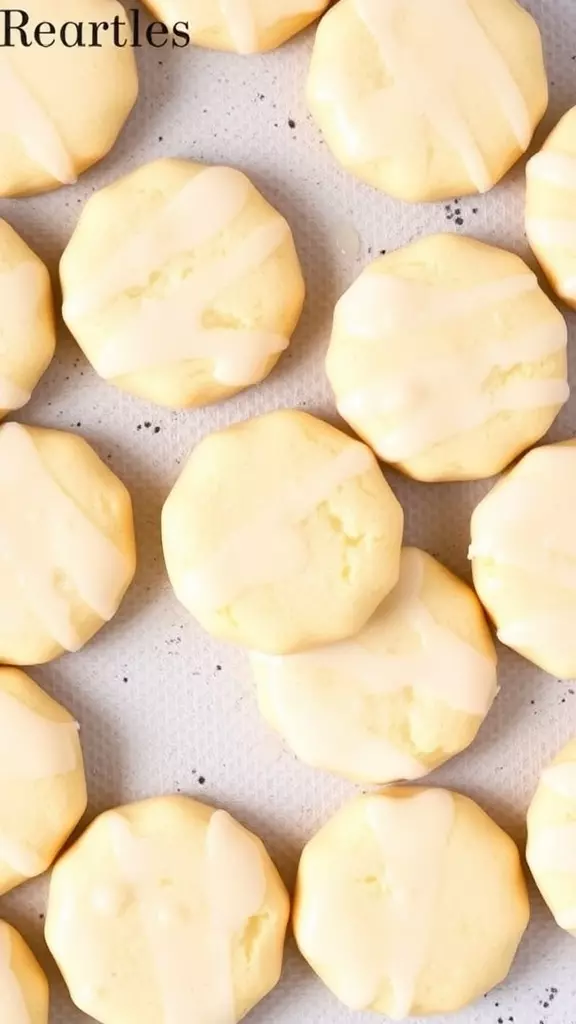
162,707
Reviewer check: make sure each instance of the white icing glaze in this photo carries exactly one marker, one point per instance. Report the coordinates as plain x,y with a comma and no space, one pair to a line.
553,848
192,967
269,547
48,544
31,746
12,1001
556,169
23,115
423,76
379,303
243,21
21,858
386,938
170,329
443,666
20,293
561,778
553,231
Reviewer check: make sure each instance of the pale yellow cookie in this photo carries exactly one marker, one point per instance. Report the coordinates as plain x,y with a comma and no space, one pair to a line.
181,283
24,994
523,553
448,358
410,902
42,784
63,106
551,850
27,334
281,533
67,550
405,694
551,207
428,100
167,910
243,26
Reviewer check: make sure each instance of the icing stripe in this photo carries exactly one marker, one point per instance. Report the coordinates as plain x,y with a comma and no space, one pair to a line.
557,169
269,547
12,397
23,116
22,859
49,546
553,231
21,290
561,778
12,1001
425,73
244,17
49,748
553,848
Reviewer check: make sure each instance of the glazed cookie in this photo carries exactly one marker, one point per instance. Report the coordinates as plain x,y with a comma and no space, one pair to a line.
244,26
407,693
410,112
410,902
551,207
63,106
167,910
27,335
42,784
24,992
281,533
448,358
67,551
523,555
551,851
181,283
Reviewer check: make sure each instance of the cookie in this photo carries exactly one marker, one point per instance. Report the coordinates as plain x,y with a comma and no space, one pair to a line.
23,985
405,694
448,358
167,910
281,533
67,550
428,101
410,902
551,850
181,283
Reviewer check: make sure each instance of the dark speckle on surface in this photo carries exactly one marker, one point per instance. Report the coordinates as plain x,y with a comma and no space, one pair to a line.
291,122
147,424
218,668
382,252
201,780
459,221
156,430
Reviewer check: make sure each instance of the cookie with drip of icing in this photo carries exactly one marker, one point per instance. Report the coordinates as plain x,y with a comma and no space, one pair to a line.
24,994
407,110
243,26
63,107
405,694
42,784
67,549
448,358
410,902
551,207
181,283
523,553
167,910
551,850
27,333
281,533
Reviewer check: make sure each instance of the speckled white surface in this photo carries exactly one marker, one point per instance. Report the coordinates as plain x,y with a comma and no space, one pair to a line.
162,707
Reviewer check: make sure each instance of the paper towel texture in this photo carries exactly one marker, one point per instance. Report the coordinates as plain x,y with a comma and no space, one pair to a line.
163,708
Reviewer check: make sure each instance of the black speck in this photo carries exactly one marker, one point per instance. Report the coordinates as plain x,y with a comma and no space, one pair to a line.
201,780
545,1005
139,427
447,207
124,679
160,138
458,211
41,916
382,252
160,62
459,221
563,701
147,424
532,701
291,122
474,209
79,424
218,668
500,1020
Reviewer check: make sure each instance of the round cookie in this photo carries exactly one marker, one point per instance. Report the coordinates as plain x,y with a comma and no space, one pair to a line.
181,283
523,553
42,783
551,850
408,692
24,994
410,902
167,910
27,333
408,111
551,207
63,105
281,533
67,550
448,358
243,26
